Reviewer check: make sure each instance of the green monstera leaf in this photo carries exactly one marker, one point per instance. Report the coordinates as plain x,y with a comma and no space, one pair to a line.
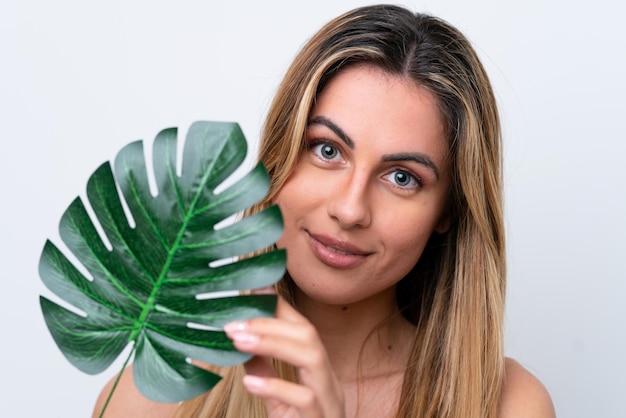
151,284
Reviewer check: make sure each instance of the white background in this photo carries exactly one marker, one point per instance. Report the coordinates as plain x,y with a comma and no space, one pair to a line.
78,81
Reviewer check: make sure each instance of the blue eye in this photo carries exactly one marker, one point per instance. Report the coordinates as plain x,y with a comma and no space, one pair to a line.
404,179
401,178
325,150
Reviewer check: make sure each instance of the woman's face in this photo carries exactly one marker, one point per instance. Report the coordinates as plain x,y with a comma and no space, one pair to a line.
369,189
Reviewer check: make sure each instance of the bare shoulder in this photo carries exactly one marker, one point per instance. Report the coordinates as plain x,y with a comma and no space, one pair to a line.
127,401
523,395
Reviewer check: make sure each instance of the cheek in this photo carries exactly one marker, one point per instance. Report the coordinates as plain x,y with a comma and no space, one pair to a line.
284,196
288,199
292,204
282,200
405,237
299,193
407,246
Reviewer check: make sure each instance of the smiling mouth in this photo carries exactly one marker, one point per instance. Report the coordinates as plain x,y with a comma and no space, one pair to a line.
336,253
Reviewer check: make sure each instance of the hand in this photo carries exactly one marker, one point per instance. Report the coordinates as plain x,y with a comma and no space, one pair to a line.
291,338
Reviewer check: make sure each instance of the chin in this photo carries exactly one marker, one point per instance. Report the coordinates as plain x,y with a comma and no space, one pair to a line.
335,295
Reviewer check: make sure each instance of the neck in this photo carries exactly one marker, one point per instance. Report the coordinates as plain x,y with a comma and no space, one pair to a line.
365,339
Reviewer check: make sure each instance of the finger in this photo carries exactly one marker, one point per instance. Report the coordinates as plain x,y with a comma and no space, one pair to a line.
293,351
286,315
274,327
297,344
311,361
276,391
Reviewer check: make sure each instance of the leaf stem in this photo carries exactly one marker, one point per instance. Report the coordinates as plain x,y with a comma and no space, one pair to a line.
117,380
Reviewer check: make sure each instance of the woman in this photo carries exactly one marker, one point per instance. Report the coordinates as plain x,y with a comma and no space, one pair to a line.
383,146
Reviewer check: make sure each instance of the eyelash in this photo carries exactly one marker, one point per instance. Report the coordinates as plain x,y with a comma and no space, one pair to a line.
321,143
412,178
324,142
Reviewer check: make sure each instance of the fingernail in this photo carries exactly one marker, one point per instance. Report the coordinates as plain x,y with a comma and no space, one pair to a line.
245,338
253,382
236,326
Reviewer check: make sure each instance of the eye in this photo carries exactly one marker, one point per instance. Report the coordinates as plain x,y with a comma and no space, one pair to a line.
404,179
324,150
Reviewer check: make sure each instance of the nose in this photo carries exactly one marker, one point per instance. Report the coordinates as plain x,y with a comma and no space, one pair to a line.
349,203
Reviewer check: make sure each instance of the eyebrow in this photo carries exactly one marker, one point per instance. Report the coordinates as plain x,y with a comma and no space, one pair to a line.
321,120
416,157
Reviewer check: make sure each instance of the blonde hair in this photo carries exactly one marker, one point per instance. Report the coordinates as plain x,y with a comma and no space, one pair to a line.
455,293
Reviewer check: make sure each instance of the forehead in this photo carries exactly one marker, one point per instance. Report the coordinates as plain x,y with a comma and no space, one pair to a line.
372,105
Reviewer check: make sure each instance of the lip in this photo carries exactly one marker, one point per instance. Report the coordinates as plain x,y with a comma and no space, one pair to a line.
335,252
